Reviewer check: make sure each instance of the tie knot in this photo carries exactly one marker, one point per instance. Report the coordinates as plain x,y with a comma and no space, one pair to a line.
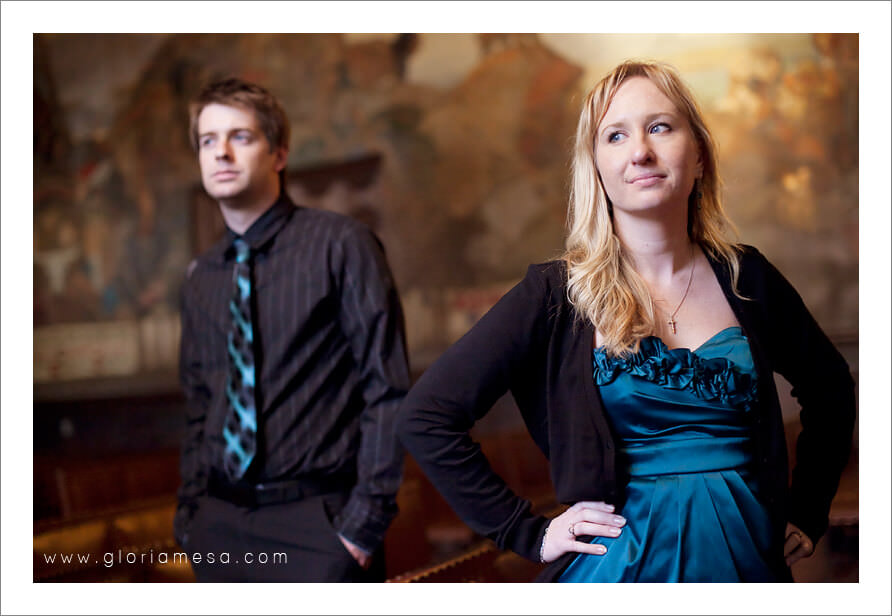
242,250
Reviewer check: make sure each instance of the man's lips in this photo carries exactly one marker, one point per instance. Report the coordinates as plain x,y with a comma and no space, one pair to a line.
225,175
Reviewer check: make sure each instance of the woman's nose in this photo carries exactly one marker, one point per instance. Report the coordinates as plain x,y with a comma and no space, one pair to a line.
642,152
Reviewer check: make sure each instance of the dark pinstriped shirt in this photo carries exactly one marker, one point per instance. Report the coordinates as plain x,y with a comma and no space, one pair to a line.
331,360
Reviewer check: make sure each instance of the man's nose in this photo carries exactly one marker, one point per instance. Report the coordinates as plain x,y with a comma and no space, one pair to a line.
222,150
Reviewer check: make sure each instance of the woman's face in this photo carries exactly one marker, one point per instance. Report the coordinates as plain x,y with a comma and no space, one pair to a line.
645,150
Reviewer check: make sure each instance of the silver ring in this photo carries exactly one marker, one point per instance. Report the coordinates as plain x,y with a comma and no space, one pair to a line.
572,529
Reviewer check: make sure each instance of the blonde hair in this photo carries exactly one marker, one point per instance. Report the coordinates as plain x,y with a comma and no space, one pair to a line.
603,286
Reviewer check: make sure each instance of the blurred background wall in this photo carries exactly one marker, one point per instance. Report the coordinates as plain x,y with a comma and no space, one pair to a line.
468,136
454,148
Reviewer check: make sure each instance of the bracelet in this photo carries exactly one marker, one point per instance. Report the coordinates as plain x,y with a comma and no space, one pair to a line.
542,549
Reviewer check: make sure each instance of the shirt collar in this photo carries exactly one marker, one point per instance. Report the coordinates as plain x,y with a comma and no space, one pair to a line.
260,232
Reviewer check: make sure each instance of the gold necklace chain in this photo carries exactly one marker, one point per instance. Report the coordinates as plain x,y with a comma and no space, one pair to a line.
671,321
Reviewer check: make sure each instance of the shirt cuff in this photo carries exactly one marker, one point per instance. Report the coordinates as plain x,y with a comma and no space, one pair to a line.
364,522
363,550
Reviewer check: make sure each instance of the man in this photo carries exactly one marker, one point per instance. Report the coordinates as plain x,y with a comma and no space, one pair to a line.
293,361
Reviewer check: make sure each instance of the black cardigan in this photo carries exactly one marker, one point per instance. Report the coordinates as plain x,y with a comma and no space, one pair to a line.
531,344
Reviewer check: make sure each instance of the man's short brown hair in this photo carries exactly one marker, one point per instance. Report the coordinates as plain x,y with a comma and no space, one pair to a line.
236,92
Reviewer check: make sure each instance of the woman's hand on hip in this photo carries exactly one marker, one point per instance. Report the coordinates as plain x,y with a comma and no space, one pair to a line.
796,544
589,518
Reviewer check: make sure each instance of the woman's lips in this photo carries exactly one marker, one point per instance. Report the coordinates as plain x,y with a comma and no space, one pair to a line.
648,179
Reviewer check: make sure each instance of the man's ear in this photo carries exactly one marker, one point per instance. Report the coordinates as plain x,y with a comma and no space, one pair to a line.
281,158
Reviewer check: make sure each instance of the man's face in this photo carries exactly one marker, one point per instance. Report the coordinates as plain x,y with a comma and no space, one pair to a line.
237,166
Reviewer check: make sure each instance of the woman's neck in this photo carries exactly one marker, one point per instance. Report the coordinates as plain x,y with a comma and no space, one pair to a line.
657,251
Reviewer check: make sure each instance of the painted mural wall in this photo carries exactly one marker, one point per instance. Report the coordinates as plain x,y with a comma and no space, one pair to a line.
472,133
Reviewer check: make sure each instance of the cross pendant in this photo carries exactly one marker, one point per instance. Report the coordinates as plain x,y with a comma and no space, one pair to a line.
671,323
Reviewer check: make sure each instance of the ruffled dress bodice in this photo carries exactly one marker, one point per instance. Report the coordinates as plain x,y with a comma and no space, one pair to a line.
683,419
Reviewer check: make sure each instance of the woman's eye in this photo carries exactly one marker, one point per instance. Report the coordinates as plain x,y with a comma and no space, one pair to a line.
614,137
205,141
662,127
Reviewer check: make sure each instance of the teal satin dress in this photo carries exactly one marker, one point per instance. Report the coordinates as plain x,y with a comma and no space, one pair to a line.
691,508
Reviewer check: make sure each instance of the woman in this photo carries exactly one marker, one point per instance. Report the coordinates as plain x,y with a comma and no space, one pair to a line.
642,363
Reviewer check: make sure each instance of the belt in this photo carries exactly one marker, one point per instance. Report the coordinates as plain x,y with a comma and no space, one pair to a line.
273,492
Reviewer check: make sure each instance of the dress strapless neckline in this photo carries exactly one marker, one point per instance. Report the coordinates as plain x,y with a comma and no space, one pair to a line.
683,421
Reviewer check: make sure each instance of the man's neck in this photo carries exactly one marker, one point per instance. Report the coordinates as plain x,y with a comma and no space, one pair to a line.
240,216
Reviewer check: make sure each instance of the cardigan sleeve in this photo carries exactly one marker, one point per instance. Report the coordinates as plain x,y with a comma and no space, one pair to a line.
823,386
461,387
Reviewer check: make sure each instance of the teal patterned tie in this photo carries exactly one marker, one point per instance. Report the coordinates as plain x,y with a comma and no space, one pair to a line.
240,427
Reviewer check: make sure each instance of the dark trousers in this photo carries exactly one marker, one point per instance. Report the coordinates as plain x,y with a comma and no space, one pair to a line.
285,542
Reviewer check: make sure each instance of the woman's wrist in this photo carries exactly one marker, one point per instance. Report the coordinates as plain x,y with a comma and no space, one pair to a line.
542,549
